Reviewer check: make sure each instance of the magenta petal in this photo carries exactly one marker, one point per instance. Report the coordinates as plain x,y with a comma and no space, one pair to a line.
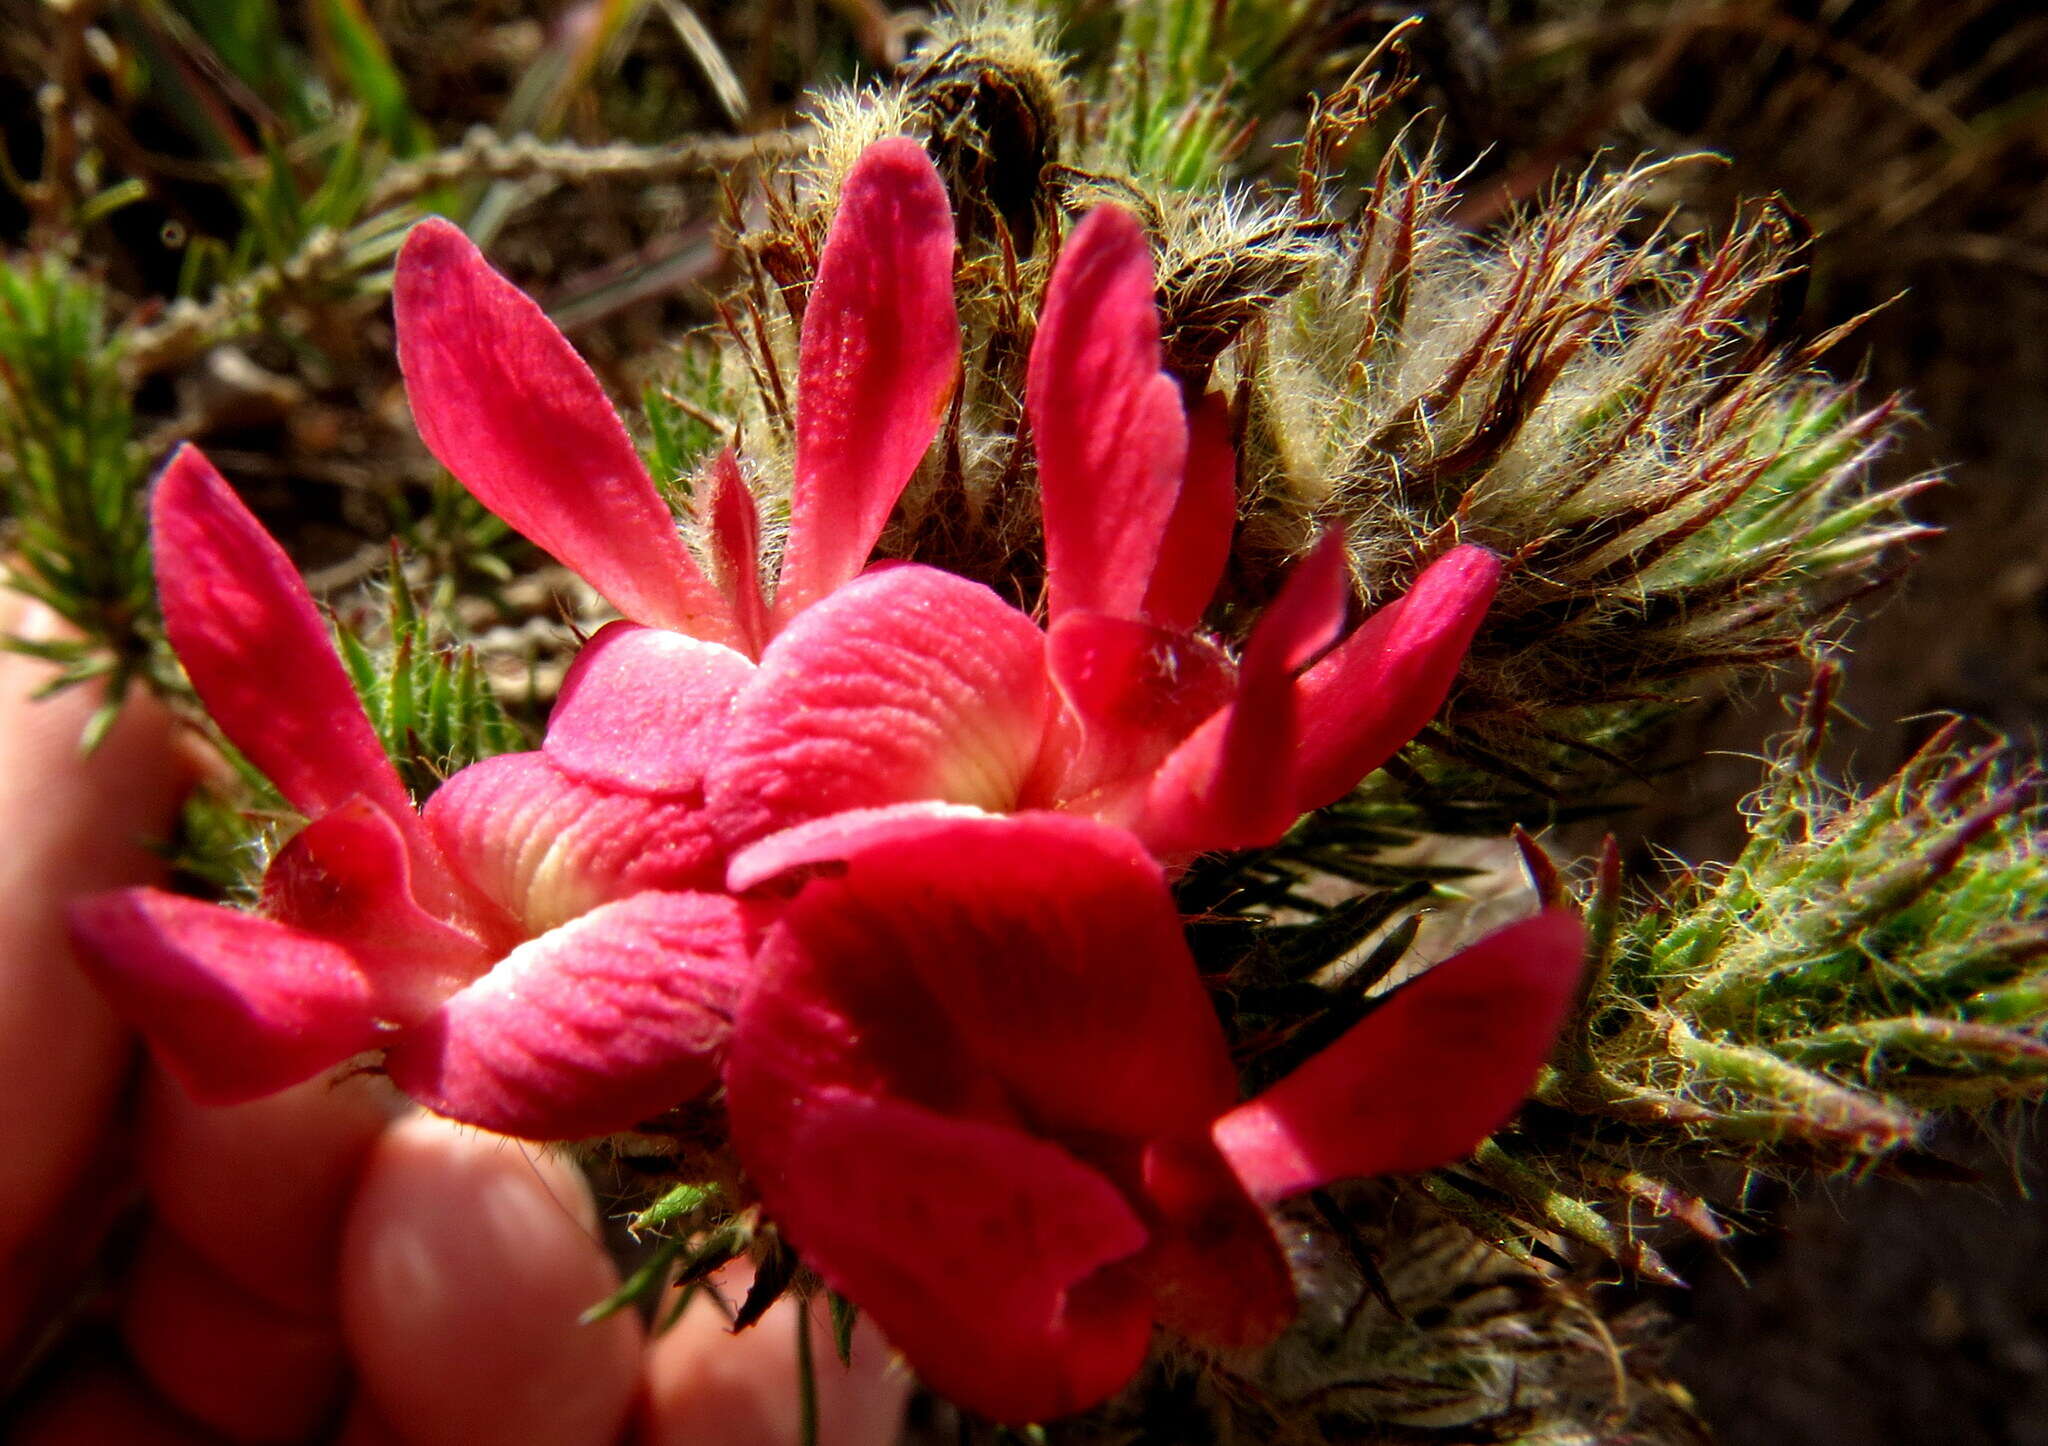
908,684
1048,943
976,1248
258,654
234,1006
1112,439
876,365
503,400
347,878
1196,547
830,839
546,847
1215,1268
1133,692
644,709
1379,687
1427,1076
1229,785
1305,618
734,525
975,1025
589,1029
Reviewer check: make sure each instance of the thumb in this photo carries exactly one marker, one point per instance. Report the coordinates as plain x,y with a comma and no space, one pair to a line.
71,824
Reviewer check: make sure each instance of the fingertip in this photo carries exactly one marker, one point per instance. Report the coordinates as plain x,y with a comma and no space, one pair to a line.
73,823
223,1357
101,1403
707,1386
109,805
261,1189
467,1260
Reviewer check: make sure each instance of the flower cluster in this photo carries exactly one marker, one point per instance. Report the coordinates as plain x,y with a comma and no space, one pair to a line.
881,853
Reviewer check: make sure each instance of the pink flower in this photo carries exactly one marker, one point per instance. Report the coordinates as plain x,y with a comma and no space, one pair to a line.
907,686
980,1087
971,1068
550,966
546,950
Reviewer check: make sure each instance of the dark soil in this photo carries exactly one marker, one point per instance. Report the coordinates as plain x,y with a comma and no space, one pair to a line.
1887,1312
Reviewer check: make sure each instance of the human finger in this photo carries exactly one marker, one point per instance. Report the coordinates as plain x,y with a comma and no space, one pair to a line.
707,1386
467,1260
260,1190
102,1403
73,824
230,1308
227,1359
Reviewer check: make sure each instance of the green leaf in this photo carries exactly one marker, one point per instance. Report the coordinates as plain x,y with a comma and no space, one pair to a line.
357,53
70,473
638,1286
845,1316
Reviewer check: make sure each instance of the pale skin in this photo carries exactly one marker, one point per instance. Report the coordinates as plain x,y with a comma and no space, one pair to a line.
324,1265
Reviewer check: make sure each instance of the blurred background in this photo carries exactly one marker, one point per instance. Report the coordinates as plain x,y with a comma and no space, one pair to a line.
230,180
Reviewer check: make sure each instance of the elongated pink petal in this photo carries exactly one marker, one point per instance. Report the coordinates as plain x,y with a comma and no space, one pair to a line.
644,710
589,1029
734,523
1112,439
876,365
502,399
1230,785
233,1005
1196,547
1133,692
546,847
347,878
906,685
1378,688
1427,1076
977,1249
258,654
